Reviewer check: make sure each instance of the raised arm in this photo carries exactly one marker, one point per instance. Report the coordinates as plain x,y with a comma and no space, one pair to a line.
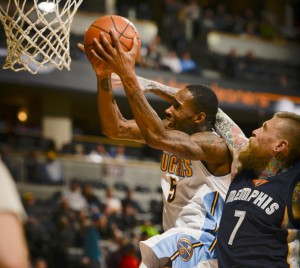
200,146
112,123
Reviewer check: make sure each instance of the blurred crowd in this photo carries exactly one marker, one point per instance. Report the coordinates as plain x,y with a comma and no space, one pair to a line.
83,223
75,228
180,45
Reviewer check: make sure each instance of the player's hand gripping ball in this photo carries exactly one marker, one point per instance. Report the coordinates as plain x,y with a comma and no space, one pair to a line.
124,29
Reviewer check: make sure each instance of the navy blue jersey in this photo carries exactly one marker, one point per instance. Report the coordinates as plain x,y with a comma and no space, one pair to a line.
255,228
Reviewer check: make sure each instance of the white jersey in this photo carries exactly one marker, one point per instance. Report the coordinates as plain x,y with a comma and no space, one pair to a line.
193,203
193,198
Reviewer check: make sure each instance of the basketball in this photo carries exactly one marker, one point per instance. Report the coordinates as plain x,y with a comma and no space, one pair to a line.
124,29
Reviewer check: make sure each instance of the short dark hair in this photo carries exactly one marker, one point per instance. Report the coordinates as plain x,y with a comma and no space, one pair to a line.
205,100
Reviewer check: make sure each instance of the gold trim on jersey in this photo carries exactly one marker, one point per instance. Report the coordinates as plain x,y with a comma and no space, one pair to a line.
214,204
213,245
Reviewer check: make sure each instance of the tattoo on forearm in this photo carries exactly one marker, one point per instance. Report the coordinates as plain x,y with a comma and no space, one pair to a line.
230,132
105,84
127,132
135,95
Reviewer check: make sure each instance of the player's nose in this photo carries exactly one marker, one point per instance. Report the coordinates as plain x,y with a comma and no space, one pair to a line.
168,112
254,132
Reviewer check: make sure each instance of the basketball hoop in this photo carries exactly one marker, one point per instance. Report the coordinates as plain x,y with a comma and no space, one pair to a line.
38,33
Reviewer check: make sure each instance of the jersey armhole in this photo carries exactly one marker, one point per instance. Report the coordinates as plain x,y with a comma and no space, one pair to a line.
295,223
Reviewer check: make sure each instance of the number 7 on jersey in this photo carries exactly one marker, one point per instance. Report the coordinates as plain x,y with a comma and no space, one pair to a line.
241,215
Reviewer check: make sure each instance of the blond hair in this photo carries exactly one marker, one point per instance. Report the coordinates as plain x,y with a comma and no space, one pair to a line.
291,132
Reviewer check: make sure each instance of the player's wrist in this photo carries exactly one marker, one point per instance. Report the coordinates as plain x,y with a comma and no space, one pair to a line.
103,74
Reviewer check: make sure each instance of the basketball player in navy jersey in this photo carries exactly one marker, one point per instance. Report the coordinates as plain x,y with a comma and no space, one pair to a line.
195,162
260,224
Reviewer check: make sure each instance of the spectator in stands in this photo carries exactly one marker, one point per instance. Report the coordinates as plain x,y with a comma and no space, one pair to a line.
208,23
220,18
129,200
128,219
90,197
115,255
91,248
129,259
74,196
99,152
31,208
247,65
14,252
104,226
149,229
64,238
113,203
116,169
64,210
52,170
155,50
188,65
35,229
79,149
232,64
33,167
120,153
193,13
171,62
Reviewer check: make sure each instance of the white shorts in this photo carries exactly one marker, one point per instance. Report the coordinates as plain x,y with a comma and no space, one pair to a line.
186,248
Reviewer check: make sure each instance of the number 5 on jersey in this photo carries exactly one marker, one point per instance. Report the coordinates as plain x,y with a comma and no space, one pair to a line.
172,192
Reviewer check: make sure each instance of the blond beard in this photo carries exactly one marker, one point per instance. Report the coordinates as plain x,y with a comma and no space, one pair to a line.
251,158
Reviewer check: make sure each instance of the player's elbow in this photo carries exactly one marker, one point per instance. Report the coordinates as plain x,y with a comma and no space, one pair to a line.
154,140
110,133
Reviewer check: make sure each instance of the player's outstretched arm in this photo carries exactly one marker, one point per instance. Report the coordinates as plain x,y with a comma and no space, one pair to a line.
147,85
112,123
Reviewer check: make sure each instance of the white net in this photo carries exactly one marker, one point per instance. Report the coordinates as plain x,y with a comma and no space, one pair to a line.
38,33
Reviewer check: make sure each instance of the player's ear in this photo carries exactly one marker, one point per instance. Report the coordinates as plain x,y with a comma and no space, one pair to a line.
280,150
281,145
199,118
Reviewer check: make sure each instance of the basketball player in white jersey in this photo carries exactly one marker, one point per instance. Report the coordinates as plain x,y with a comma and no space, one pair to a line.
195,162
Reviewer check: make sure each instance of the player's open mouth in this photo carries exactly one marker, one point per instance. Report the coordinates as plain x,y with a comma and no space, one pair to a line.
170,124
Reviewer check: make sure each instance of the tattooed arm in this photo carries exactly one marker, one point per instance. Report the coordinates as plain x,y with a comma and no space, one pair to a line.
230,131
113,124
233,135
163,91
